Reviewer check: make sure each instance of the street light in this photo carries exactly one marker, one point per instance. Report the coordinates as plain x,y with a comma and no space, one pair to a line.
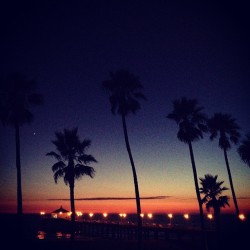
170,216
142,216
242,217
123,215
210,218
186,217
90,216
105,215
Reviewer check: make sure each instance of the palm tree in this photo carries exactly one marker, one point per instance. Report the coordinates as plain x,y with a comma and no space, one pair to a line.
244,150
212,189
192,123
226,128
16,97
124,95
71,161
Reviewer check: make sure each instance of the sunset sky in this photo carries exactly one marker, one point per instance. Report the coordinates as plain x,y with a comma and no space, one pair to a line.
198,50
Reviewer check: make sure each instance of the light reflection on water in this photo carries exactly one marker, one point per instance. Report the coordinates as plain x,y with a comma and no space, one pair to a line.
41,235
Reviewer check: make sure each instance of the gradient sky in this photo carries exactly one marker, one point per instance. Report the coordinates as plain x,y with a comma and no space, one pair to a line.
198,50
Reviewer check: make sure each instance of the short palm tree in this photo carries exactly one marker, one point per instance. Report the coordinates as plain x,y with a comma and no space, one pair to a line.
211,188
72,161
17,96
244,150
124,91
192,124
226,128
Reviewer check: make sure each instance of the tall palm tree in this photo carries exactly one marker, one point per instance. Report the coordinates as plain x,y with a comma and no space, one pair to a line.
124,91
72,161
226,128
17,96
192,124
244,150
211,188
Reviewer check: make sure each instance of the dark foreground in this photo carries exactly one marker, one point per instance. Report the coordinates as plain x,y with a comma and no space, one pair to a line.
120,244
98,244
13,238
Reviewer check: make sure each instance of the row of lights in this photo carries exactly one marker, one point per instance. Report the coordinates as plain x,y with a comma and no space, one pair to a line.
149,215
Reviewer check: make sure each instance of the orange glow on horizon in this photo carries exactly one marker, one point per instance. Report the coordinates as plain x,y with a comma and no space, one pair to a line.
175,206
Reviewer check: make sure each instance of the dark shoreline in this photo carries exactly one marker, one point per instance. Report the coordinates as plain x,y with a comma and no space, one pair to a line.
236,237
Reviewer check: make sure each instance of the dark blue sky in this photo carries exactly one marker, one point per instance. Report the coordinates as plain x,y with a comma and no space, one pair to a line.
177,48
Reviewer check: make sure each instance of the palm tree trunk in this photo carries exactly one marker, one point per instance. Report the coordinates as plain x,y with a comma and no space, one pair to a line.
19,177
73,212
72,203
137,195
198,193
72,197
231,183
217,217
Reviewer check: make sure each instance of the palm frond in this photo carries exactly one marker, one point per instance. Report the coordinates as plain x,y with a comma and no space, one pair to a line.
55,155
81,170
124,92
58,174
244,150
226,127
58,166
190,118
86,159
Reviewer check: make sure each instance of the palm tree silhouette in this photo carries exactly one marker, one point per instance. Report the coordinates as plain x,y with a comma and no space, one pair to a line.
124,95
224,126
72,161
192,123
17,96
244,150
212,189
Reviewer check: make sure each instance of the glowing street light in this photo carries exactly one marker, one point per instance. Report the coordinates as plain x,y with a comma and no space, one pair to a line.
42,213
170,216
186,217
79,214
122,215
105,215
91,215
142,216
242,217
210,216
150,216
